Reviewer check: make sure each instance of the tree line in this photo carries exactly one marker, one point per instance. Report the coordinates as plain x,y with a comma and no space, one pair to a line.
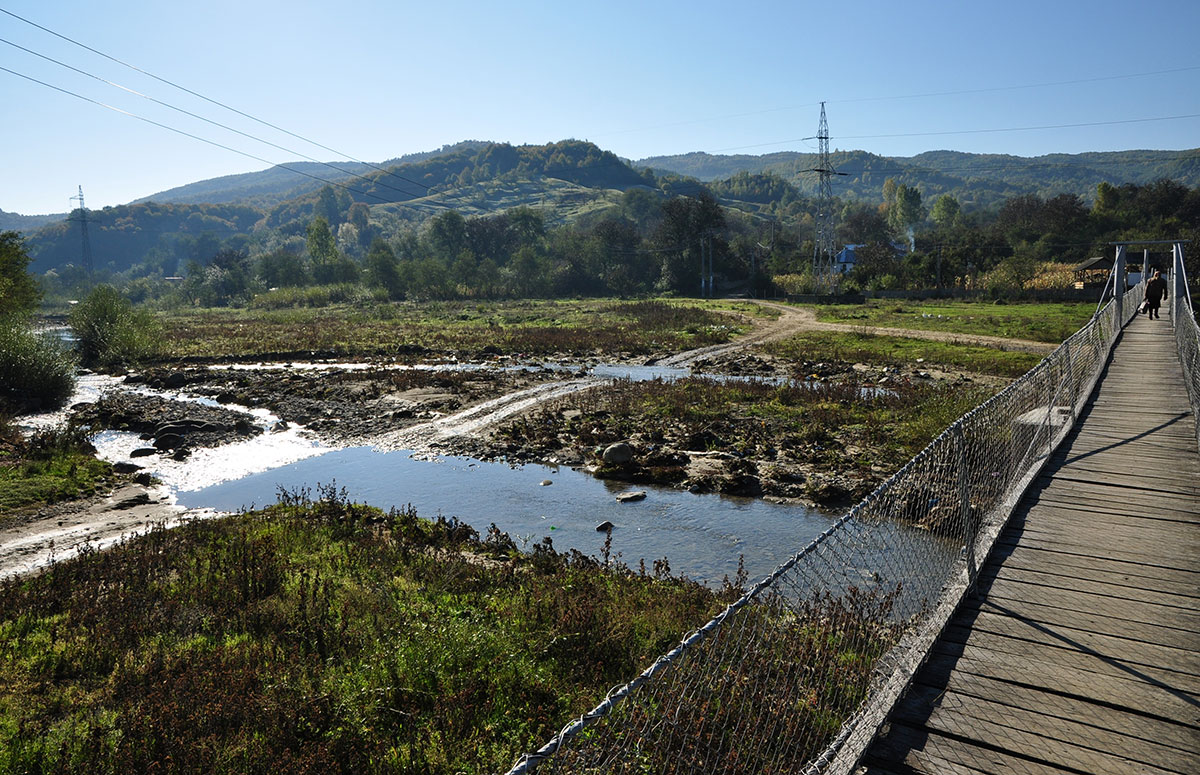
757,229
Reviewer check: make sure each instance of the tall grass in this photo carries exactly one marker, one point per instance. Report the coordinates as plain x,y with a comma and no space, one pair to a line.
319,636
36,372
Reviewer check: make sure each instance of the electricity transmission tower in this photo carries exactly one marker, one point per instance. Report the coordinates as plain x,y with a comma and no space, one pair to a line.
83,230
824,268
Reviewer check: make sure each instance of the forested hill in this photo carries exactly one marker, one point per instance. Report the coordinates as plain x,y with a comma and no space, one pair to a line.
26,223
166,231
973,179
267,188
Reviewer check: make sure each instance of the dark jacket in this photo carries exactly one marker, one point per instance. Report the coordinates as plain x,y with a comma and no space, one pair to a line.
1156,290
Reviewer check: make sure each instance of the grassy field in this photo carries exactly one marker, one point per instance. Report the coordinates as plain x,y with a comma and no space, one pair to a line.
1049,322
46,468
320,636
881,350
538,327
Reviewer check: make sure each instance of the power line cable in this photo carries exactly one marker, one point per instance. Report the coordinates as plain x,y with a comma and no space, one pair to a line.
210,121
207,99
951,93
976,131
192,136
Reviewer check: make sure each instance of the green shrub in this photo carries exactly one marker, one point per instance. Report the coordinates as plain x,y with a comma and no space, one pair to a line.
111,332
36,372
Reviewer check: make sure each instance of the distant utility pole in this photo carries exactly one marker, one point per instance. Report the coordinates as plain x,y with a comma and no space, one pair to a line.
824,268
83,230
706,267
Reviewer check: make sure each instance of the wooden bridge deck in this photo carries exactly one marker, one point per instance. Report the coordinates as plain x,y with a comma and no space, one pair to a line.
1081,653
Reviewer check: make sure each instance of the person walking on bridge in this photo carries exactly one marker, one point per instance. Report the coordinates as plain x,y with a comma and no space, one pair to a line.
1156,291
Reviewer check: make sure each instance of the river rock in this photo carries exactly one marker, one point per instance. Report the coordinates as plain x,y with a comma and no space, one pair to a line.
143,452
125,467
174,380
604,526
546,483
629,497
168,441
617,454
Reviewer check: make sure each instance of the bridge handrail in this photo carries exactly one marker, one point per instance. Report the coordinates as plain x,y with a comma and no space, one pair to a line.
1187,332
799,673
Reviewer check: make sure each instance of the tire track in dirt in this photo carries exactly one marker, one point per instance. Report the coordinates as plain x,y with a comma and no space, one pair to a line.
800,319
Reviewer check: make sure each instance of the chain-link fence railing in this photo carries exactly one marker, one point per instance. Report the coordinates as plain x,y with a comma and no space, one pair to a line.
1187,333
798,674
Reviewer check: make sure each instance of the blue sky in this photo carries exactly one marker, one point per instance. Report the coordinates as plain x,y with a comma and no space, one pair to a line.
375,80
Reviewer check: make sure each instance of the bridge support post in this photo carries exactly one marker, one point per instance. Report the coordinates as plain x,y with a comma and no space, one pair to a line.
1119,286
966,513
1070,379
1179,288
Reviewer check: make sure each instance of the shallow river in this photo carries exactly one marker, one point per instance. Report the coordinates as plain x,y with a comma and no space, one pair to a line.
702,536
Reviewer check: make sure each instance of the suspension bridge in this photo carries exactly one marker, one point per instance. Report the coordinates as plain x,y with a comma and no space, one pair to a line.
1021,597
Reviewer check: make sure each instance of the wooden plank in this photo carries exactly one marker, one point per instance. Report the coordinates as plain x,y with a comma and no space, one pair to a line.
1162,488
1187,597
1135,695
920,751
1063,741
929,750
1092,644
1139,456
1133,726
1117,529
1110,541
1050,541
1070,600
1091,621
1124,545
1144,476
1086,506
1113,465
1119,571
1115,536
1020,656
1106,490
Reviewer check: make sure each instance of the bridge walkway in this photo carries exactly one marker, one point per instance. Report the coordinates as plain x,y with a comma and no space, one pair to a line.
1081,651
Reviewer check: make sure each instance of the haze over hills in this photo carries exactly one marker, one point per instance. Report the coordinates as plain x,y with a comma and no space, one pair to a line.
267,188
974,179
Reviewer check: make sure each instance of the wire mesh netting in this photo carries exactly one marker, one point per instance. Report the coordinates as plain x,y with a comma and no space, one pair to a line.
798,674
1187,333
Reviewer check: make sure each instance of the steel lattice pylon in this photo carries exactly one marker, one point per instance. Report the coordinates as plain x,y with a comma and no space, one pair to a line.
824,267
83,230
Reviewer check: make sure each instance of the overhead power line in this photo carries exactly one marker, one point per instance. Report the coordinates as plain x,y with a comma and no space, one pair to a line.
973,131
210,100
920,95
211,121
192,136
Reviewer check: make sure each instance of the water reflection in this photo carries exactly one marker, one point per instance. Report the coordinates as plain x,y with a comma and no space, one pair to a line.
701,535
